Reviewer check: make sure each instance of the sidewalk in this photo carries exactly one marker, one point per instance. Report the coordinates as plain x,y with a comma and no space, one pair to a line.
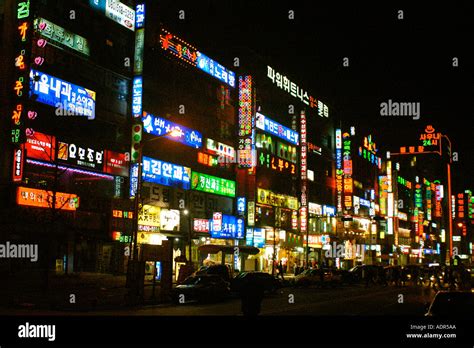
76,292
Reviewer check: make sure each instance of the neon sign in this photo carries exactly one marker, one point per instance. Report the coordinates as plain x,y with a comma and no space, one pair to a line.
137,94
201,225
347,163
164,173
41,146
268,125
44,199
20,85
213,68
228,227
18,162
255,237
284,83
246,133
369,150
277,164
339,170
79,155
207,160
212,184
53,91
304,175
159,126
189,54
220,149
430,138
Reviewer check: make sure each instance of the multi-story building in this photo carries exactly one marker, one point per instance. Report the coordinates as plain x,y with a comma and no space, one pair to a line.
69,78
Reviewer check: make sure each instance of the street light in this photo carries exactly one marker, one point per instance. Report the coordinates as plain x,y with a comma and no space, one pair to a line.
132,279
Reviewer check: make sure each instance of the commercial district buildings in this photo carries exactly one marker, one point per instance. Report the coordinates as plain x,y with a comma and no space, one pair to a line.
240,163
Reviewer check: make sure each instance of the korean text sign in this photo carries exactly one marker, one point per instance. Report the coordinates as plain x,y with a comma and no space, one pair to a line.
213,184
53,91
160,126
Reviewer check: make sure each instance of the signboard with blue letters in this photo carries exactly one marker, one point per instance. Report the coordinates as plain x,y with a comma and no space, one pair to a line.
159,126
226,227
69,99
268,125
213,68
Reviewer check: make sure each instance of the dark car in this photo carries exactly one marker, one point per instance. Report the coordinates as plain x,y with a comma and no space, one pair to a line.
222,271
356,273
266,281
320,277
452,304
201,288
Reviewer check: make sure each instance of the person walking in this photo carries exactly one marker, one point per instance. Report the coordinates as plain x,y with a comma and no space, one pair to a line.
281,270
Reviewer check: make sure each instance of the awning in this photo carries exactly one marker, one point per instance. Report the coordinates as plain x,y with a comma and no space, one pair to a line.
227,249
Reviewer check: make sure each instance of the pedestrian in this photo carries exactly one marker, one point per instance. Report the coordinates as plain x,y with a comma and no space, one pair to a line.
280,270
252,296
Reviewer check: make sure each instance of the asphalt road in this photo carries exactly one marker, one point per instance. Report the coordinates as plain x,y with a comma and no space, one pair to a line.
347,301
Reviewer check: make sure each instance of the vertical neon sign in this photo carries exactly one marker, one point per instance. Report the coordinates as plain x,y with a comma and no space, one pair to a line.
21,64
339,171
246,148
347,164
137,87
304,176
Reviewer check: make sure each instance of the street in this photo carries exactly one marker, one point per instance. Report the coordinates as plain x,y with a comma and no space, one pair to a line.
349,300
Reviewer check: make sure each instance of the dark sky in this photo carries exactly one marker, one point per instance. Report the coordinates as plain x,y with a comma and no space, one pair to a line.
407,60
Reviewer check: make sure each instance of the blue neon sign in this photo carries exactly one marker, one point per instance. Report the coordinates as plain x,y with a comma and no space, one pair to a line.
164,173
159,126
139,16
71,99
230,228
268,125
241,204
213,68
137,91
255,237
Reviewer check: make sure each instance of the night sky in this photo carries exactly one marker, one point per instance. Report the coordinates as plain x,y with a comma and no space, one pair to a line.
407,60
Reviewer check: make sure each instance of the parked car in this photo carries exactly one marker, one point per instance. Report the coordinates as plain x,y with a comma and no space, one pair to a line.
356,273
223,271
319,277
201,288
267,281
452,304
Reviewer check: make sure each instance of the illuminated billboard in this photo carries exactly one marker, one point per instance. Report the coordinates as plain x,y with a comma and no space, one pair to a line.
159,126
116,11
226,227
41,146
184,51
59,36
164,173
268,125
294,90
246,133
44,199
81,155
72,99
213,184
